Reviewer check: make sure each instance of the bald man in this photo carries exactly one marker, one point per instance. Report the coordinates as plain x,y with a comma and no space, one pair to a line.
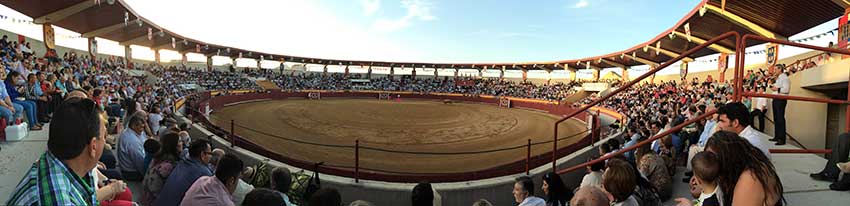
590,196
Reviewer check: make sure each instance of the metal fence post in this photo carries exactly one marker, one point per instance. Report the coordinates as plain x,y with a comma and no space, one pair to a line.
232,134
357,161
528,157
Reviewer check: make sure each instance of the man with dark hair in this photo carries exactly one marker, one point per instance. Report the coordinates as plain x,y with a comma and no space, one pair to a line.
281,180
422,195
185,173
64,174
524,192
734,117
782,86
262,197
218,189
131,151
325,197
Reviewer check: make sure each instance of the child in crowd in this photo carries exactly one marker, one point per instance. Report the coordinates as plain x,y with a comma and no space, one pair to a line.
706,168
151,148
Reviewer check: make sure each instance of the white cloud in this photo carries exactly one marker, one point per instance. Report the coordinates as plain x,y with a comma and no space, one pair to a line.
581,4
370,6
416,10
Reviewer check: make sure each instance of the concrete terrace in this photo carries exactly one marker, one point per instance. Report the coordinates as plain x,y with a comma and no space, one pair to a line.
17,157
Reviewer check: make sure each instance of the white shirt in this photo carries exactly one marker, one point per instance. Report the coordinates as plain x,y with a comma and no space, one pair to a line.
783,84
757,139
628,202
242,189
533,201
759,103
592,179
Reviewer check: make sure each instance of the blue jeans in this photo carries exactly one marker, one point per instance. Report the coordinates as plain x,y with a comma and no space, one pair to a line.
29,107
7,114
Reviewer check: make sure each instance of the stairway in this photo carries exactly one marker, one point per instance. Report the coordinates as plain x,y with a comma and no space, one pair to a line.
267,85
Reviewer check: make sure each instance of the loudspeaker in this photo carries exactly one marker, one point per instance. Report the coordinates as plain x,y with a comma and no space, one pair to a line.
840,151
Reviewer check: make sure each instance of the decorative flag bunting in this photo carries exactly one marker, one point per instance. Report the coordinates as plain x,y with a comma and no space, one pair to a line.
772,54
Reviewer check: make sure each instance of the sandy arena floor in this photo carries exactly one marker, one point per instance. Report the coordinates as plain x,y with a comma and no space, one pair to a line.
410,125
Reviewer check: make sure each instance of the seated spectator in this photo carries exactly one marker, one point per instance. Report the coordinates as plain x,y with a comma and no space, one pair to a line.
590,196
747,177
654,168
281,181
262,197
619,181
131,152
734,117
594,175
242,187
154,118
13,82
217,154
481,202
152,146
185,173
524,192
61,176
325,197
161,166
10,111
556,192
218,189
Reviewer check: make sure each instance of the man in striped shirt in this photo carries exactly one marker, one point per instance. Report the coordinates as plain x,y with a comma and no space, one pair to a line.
64,174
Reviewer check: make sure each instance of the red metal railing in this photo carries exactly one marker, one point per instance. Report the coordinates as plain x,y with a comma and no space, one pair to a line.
635,81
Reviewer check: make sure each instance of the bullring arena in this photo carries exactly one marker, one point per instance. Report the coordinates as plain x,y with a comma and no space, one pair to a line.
409,125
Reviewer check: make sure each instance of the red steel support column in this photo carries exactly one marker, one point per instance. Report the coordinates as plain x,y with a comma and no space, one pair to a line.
356,160
528,157
847,112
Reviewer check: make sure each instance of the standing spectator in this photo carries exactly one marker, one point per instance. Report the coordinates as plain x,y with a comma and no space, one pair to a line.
747,177
218,189
524,192
619,181
782,86
131,152
62,175
185,173
556,192
154,118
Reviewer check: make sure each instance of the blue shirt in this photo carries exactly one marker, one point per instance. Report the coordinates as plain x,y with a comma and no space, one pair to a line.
707,132
36,88
181,178
633,141
131,151
3,92
13,93
61,86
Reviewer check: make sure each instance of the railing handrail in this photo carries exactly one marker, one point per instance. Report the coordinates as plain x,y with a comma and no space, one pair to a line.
640,78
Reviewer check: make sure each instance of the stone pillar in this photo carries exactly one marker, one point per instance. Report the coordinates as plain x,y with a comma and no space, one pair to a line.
259,64
92,48
573,75
325,70
625,73
436,73
346,70
413,73
209,63
183,59
502,73
156,56
595,75
480,73
369,72
392,71
128,56
524,75
233,61
456,72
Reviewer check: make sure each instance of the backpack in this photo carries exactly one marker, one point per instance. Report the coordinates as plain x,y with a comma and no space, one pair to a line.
315,183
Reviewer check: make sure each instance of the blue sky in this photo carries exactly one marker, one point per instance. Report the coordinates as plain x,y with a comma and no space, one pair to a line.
423,30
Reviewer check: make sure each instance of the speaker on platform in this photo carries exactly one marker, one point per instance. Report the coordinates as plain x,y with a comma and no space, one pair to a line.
839,154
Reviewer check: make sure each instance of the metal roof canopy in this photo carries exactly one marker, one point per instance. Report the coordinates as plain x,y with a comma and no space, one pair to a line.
775,19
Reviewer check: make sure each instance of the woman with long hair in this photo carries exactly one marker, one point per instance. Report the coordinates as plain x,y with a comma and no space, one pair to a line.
161,166
556,192
14,82
747,177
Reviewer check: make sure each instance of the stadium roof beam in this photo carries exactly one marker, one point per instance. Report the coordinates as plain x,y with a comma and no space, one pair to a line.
588,64
107,29
134,40
642,60
166,45
613,63
64,13
715,47
670,53
842,3
755,28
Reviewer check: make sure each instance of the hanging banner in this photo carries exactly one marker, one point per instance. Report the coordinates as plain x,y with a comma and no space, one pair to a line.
772,54
49,36
844,32
722,65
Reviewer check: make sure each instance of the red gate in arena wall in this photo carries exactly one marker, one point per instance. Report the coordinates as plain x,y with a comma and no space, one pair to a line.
739,93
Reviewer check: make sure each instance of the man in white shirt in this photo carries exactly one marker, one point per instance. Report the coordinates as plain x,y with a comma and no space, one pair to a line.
782,86
524,192
734,117
759,109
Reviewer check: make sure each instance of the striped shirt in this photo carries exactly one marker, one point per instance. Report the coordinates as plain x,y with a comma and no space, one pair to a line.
50,182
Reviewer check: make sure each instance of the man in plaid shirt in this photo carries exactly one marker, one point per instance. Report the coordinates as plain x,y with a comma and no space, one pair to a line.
64,174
